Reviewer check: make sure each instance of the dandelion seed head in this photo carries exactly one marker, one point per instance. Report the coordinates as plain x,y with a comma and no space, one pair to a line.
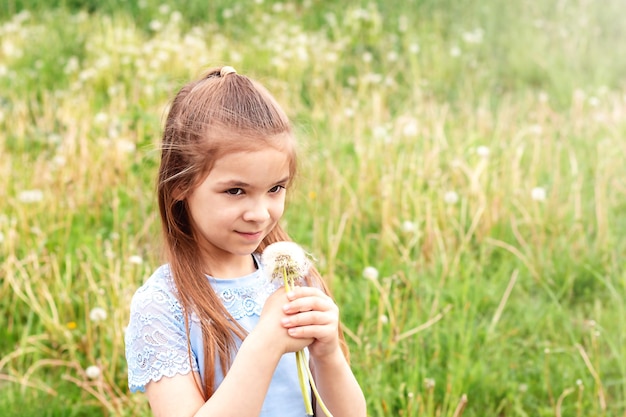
409,226
371,273
97,314
30,196
429,383
482,151
451,197
411,128
538,194
383,319
93,372
285,258
135,259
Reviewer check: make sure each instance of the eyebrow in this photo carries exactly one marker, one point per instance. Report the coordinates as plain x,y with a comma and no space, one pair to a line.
237,183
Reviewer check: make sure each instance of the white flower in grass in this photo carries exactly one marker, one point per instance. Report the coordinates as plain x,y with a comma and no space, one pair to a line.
30,196
97,314
93,372
482,151
451,197
285,261
383,319
409,227
370,273
411,128
538,194
429,383
455,51
135,259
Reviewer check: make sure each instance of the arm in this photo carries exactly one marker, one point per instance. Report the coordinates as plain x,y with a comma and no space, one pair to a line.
311,313
250,373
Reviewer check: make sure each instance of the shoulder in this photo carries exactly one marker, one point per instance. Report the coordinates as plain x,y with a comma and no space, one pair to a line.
158,293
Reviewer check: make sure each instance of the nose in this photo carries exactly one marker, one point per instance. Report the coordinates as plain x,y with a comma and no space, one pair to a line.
257,212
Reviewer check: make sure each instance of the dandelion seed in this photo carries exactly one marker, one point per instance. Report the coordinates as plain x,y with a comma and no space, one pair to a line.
349,112
392,56
535,129
97,314
367,57
92,372
455,51
538,194
414,48
30,196
135,259
429,383
100,118
475,36
482,151
410,129
594,101
125,146
403,24
156,26
284,261
409,227
371,273
164,9
451,197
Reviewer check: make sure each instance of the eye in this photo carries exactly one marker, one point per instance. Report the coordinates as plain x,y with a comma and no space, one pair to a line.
276,189
234,191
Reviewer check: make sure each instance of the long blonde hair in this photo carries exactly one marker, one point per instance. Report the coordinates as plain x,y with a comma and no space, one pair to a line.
217,114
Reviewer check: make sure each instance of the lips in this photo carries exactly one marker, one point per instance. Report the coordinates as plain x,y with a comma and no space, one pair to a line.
250,235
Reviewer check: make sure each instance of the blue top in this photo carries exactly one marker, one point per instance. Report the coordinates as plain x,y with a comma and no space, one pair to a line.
156,342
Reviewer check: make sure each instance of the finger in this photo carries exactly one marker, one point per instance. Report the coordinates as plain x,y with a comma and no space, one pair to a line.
314,303
309,318
315,332
299,292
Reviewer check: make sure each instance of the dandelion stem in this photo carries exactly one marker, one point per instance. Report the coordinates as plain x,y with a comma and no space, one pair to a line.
317,394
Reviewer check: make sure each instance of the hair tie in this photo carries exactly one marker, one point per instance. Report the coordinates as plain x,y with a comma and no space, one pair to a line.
227,70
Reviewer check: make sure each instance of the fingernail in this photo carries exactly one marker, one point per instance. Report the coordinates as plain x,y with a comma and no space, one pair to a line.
285,321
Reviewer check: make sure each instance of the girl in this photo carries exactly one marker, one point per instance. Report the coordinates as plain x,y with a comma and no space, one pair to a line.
208,336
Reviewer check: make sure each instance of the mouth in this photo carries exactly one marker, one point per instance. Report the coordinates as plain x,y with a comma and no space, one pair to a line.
250,235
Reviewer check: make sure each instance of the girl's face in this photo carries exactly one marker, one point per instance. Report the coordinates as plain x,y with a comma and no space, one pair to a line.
236,206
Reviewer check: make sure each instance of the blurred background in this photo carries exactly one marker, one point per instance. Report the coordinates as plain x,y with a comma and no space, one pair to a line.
462,187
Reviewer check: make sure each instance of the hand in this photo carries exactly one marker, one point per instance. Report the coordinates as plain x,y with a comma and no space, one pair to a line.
310,313
270,325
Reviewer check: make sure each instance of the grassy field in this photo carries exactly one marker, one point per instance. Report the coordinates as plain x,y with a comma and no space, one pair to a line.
462,186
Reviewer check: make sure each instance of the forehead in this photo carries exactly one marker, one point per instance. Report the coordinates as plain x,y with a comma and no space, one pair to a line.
254,168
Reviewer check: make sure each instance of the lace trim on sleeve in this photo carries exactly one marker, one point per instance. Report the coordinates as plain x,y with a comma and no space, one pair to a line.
156,342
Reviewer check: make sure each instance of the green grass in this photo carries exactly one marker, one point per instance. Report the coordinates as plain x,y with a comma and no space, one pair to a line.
511,302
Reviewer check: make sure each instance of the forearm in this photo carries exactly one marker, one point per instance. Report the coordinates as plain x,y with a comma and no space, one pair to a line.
338,387
250,373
